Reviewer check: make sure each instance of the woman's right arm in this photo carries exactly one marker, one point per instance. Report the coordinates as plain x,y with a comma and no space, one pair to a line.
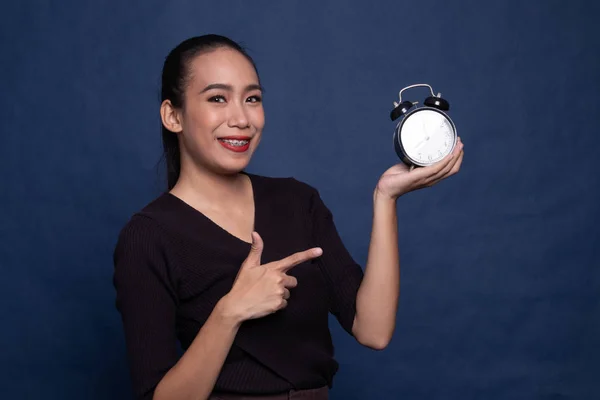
147,300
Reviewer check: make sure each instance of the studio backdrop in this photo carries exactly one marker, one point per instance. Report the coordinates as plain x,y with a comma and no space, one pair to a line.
500,275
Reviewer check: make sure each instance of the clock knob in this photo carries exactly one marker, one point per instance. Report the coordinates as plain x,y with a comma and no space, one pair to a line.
400,109
437,102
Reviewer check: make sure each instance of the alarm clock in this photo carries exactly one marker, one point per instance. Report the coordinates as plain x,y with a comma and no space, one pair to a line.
425,134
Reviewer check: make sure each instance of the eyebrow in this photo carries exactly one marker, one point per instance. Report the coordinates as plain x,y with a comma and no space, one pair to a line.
229,88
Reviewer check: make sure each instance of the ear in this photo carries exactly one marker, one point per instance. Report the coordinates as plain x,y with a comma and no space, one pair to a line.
170,117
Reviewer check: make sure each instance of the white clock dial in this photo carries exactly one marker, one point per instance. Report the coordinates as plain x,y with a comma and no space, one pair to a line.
427,136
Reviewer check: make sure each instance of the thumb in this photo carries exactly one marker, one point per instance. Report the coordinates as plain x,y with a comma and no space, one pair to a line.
253,259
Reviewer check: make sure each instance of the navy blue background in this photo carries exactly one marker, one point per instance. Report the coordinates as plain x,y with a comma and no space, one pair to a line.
500,294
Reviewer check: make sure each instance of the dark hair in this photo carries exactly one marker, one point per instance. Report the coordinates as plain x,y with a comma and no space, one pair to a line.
175,75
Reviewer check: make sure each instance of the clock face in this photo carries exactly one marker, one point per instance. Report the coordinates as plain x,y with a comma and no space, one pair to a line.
427,136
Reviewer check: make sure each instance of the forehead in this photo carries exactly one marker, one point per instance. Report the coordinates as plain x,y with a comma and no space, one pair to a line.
222,66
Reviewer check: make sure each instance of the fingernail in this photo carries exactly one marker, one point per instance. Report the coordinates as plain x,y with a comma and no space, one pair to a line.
318,251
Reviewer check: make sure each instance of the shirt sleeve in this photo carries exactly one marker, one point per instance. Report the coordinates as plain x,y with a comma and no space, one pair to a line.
342,274
146,300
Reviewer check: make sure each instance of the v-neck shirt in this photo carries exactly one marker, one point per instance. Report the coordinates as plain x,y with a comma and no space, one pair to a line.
173,264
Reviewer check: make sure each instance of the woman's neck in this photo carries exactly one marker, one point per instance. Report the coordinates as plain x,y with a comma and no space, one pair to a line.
209,189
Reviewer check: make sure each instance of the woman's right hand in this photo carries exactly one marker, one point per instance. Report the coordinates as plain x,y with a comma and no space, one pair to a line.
260,290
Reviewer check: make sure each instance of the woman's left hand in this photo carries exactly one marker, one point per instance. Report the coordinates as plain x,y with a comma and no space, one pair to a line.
399,179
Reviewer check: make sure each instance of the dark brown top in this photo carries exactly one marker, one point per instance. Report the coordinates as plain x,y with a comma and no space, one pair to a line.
172,265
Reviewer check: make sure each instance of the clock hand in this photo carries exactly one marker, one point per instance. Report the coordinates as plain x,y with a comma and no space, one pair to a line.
420,144
425,131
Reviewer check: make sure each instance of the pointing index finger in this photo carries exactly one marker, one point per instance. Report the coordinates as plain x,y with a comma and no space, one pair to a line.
289,262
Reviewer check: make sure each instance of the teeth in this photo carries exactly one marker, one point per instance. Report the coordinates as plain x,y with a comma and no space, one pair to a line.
235,142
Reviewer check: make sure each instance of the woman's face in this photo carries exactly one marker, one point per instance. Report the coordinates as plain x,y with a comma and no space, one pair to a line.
223,116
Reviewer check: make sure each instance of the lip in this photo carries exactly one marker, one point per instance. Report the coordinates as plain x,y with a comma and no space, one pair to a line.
235,138
235,149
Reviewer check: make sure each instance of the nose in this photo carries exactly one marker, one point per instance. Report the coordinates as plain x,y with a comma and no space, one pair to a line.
238,117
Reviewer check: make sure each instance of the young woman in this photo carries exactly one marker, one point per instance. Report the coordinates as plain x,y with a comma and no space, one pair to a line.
240,269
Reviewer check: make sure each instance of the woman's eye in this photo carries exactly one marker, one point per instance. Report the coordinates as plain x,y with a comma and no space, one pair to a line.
217,99
254,99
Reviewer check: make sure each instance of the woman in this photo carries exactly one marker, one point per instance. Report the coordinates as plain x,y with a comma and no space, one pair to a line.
243,269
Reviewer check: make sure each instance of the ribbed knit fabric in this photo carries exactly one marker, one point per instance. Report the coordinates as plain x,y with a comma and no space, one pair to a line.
173,264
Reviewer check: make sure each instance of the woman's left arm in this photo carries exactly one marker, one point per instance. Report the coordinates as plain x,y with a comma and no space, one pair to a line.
377,297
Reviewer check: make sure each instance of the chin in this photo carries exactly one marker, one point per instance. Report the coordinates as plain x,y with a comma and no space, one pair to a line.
233,168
